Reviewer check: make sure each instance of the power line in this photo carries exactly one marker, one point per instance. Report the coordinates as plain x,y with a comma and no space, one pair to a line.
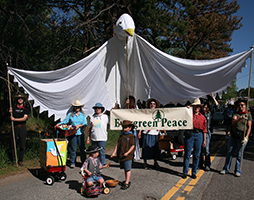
244,76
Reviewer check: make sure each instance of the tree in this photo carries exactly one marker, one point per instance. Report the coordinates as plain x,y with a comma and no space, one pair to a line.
206,28
231,92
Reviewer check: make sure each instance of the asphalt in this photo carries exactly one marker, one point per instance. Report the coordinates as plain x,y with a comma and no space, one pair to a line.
164,183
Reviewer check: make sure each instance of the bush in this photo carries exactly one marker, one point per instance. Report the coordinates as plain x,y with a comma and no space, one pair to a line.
33,146
4,155
32,149
113,136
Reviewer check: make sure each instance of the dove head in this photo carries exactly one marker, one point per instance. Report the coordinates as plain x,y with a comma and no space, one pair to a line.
124,27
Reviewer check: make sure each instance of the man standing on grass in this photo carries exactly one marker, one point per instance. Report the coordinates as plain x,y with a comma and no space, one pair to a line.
19,117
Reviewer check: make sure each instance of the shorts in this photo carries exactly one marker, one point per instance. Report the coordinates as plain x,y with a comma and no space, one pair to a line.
126,165
94,178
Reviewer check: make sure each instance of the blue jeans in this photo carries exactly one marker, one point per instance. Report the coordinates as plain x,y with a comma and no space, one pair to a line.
192,140
207,147
102,151
94,178
234,144
80,140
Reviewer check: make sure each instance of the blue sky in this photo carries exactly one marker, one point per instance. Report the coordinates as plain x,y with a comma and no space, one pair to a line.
243,39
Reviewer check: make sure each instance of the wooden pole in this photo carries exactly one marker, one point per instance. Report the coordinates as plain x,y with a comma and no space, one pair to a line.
246,120
127,63
12,125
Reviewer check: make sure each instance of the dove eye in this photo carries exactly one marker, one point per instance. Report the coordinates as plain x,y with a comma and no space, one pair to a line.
120,22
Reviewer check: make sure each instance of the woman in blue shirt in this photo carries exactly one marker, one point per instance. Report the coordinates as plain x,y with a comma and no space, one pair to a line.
76,118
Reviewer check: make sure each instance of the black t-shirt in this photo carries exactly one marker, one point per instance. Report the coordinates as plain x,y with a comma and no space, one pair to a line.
19,113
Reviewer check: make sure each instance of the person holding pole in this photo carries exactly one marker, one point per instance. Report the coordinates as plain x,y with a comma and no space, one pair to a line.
239,136
130,104
19,117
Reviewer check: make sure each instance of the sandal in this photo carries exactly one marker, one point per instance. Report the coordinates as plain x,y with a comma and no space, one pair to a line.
125,186
121,183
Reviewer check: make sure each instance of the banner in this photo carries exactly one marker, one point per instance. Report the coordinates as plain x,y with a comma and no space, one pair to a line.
158,119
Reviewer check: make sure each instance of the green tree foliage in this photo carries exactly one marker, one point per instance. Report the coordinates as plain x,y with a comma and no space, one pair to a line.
206,28
51,34
231,92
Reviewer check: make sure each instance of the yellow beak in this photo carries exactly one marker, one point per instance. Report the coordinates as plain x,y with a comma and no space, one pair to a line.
130,31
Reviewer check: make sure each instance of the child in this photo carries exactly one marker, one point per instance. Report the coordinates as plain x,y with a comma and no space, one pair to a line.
125,151
92,166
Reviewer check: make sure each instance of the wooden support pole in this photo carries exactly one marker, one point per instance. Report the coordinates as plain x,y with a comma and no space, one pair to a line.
127,63
246,120
12,125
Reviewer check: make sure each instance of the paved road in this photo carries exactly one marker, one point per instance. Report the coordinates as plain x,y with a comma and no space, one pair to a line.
165,183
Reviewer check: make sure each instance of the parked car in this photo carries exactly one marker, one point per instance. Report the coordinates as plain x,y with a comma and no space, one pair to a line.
218,117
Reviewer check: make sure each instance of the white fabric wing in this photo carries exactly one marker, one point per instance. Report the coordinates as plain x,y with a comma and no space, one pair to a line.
102,77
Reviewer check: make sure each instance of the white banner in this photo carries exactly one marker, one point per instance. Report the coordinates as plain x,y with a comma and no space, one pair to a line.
158,119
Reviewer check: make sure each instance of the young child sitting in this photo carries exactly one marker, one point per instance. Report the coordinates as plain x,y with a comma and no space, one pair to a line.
125,151
92,166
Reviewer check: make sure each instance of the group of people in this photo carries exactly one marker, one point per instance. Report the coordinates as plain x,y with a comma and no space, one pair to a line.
127,148
97,130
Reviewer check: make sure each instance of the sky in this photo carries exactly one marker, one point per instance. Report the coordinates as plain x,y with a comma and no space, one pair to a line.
242,40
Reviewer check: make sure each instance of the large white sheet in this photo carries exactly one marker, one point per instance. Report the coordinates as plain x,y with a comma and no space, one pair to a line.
101,77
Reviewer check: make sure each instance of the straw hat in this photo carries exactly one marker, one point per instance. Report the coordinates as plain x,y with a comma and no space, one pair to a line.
150,100
127,123
99,105
93,148
196,102
21,96
78,104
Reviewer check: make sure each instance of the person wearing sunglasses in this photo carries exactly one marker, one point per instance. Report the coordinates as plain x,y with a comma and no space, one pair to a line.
76,118
98,127
194,139
150,145
19,117
239,136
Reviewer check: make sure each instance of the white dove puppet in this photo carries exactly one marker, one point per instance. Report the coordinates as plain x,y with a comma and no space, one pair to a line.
54,151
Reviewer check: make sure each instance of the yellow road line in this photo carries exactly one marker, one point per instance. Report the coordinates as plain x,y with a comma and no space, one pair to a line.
182,181
190,186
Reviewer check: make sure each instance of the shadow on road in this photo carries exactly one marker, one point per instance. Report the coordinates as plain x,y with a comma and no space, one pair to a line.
74,185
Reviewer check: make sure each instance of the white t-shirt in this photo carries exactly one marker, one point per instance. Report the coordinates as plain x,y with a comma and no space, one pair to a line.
98,125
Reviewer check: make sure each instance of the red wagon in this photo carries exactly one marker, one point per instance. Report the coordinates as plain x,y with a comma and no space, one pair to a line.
53,153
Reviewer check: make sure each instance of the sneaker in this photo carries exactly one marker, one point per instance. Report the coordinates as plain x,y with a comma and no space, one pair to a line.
222,172
207,168
72,166
237,174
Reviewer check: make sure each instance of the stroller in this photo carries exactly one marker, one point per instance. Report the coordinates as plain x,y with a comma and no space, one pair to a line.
93,190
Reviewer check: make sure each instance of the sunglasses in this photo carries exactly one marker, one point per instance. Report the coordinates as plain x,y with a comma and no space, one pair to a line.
241,104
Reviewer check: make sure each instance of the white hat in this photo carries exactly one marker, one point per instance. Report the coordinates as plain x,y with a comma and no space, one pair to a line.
77,103
196,102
